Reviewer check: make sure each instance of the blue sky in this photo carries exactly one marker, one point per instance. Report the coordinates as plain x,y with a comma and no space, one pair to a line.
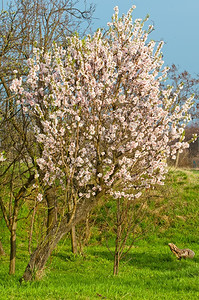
176,23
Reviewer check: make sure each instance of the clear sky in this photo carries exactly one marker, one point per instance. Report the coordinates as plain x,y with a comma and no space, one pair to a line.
176,23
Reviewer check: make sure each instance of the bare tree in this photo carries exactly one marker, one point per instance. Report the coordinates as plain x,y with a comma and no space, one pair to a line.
190,86
25,24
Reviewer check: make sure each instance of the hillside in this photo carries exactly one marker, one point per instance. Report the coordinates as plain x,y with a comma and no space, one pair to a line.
149,271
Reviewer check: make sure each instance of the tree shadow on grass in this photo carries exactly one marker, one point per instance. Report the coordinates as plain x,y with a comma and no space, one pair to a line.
67,256
156,261
153,261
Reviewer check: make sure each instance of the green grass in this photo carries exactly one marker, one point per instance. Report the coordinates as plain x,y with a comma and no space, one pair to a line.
150,271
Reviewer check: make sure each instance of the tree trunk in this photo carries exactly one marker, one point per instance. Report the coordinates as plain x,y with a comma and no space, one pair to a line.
44,250
73,231
177,159
2,252
117,240
31,227
13,249
73,240
11,221
52,208
87,230
116,263
117,252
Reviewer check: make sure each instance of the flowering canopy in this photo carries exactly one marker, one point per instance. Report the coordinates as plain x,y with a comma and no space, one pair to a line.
102,119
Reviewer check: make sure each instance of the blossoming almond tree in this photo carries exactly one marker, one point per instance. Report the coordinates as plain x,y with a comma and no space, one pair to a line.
104,125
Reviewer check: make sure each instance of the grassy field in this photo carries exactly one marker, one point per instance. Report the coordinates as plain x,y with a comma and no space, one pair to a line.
149,272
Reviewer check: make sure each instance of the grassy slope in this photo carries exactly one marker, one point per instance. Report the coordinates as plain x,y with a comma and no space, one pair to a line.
149,272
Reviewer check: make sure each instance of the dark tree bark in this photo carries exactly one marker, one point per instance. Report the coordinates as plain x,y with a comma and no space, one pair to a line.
12,251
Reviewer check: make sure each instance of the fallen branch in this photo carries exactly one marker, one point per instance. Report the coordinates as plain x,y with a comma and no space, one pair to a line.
181,253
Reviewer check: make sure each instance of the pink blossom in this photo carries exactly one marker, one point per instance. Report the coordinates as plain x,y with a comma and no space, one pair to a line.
2,158
104,122
39,197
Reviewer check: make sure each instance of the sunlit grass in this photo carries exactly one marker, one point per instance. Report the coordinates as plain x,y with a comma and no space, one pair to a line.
150,271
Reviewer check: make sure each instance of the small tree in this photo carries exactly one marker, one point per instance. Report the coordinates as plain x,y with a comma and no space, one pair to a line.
24,24
103,123
129,216
129,221
190,86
